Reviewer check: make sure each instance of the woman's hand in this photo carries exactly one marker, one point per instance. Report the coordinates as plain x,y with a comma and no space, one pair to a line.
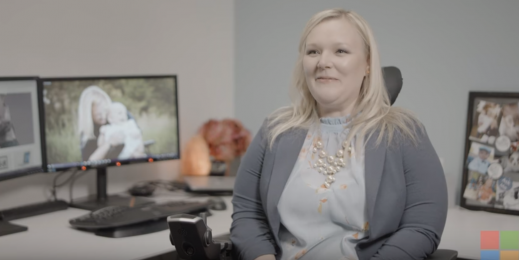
266,257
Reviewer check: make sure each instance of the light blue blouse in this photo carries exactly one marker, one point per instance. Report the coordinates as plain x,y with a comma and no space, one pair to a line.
319,222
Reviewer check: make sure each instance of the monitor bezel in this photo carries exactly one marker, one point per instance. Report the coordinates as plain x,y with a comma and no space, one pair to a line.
34,170
112,163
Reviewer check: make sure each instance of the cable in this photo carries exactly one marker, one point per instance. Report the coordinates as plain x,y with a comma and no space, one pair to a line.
71,186
55,180
67,180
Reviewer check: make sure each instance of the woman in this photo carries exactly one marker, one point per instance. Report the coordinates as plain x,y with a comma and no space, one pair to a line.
93,113
340,174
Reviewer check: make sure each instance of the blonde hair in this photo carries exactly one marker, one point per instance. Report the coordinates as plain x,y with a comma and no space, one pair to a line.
373,106
88,97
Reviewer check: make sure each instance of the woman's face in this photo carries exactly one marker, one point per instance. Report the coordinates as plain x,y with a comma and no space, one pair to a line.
99,111
335,64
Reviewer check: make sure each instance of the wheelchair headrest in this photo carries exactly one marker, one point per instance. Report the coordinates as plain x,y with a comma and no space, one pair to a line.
393,80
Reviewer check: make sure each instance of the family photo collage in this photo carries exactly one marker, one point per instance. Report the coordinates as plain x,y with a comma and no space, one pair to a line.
491,168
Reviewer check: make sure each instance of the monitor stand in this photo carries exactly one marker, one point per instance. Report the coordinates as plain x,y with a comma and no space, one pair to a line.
7,228
101,199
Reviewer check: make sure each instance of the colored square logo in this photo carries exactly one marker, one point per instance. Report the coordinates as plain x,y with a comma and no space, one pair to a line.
490,240
509,240
509,255
490,255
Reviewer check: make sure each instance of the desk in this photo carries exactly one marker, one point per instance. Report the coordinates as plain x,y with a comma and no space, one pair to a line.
463,227
50,237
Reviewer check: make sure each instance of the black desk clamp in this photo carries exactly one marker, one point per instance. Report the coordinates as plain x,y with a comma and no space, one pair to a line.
193,239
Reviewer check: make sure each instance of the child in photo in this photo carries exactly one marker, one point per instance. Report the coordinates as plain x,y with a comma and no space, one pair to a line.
511,199
474,176
502,187
487,127
486,191
471,191
509,125
511,163
119,123
480,163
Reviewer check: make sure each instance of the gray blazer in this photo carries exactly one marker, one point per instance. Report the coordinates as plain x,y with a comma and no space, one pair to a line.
406,197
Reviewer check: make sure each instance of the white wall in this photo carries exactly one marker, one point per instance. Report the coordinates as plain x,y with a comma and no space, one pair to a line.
444,49
192,39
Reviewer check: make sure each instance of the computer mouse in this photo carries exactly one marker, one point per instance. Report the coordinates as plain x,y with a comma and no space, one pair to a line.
145,190
217,203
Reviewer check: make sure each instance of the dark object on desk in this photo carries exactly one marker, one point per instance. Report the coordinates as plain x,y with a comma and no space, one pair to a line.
7,228
193,239
145,189
142,228
32,210
178,184
217,203
121,221
210,184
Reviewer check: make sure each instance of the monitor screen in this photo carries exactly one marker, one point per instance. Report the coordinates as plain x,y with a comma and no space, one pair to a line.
97,122
20,145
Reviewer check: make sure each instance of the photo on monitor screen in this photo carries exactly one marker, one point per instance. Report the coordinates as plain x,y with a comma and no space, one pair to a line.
15,129
110,119
20,145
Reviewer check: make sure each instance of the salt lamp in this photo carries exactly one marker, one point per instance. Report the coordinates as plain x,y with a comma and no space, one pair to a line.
195,157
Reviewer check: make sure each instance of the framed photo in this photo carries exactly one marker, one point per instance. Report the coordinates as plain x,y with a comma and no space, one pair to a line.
491,160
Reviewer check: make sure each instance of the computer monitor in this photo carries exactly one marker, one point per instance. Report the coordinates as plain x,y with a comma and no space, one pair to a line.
20,145
96,122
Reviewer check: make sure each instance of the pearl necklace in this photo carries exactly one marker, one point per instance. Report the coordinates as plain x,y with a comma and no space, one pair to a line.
329,164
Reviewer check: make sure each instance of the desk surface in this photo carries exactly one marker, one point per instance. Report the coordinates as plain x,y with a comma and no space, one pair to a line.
50,237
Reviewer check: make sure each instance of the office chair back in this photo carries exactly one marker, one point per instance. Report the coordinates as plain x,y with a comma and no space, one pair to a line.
393,80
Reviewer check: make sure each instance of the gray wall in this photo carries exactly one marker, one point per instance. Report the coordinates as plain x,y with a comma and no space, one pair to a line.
444,49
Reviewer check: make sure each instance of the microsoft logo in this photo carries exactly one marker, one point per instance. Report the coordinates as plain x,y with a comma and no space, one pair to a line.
499,245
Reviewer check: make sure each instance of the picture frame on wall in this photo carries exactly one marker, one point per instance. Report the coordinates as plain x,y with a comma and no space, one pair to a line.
491,155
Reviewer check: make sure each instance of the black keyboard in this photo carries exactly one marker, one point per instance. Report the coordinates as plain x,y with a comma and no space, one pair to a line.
32,210
120,216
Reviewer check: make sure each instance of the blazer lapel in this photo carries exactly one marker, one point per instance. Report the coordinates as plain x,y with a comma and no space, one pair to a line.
374,164
286,154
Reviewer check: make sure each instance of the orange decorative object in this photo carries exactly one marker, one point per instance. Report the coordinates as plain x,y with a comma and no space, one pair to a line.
195,157
227,139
